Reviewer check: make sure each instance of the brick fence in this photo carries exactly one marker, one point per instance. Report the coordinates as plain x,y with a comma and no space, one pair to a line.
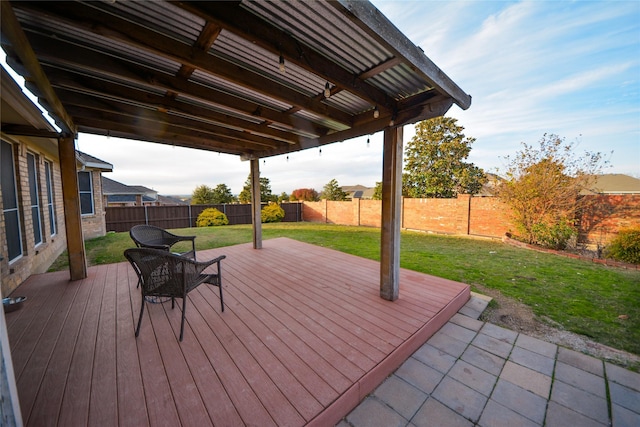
478,216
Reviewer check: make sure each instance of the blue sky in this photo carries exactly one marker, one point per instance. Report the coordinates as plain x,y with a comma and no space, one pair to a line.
534,67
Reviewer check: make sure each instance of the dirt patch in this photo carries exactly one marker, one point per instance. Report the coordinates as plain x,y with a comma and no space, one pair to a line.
514,315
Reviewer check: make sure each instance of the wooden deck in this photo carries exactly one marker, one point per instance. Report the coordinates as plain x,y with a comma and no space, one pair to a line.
303,338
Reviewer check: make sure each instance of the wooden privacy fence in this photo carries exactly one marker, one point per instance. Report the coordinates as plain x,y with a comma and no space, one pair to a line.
122,218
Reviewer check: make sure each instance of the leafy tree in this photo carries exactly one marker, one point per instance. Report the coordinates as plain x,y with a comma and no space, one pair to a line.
332,191
202,195
305,194
283,197
265,191
222,194
377,192
543,186
435,165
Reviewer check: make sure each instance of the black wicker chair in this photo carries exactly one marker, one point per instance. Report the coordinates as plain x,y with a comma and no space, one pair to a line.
166,275
149,236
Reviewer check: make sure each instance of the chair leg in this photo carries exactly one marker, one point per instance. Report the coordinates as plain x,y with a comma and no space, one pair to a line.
184,309
140,318
221,300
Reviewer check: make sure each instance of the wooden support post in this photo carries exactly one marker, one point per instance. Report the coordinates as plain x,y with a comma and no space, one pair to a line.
72,215
391,214
256,218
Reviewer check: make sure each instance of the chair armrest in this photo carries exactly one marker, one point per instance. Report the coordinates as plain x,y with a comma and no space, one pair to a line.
195,268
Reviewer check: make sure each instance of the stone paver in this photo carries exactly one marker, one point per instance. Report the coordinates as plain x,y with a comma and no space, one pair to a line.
435,358
434,413
623,376
373,413
581,361
537,346
560,416
500,333
625,397
583,402
581,379
419,375
496,415
533,360
526,378
623,417
519,400
447,344
472,373
473,377
462,399
492,345
401,396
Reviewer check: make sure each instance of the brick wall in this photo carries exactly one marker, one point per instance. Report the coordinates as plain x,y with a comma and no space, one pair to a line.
607,215
34,259
480,216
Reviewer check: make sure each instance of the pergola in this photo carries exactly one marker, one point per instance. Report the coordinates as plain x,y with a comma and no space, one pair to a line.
250,78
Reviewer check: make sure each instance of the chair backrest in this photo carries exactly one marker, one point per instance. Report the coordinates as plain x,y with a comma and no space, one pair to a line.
160,272
147,235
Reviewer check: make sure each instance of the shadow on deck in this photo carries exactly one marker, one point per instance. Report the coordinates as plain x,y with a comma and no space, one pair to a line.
303,339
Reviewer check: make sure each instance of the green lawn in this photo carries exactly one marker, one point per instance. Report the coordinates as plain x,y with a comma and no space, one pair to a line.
583,297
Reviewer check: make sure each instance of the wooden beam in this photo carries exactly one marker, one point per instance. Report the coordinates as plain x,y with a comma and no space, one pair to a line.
12,31
236,19
77,62
391,214
369,18
256,204
72,215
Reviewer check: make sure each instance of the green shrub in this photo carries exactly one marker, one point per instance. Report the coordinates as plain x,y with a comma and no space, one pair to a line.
625,246
558,236
210,217
272,213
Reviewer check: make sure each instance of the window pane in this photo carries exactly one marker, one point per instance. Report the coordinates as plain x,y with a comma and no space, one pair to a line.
10,202
86,205
37,232
35,200
12,227
33,183
84,181
7,177
52,210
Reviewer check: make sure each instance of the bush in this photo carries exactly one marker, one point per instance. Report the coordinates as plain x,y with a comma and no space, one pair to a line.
272,213
210,217
558,236
625,246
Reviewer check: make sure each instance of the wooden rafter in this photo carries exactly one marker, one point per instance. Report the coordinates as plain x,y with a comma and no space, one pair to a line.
112,27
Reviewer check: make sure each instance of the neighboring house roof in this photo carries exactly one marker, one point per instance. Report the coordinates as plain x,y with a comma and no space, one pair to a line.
88,161
489,188
168,200
115,188
615,183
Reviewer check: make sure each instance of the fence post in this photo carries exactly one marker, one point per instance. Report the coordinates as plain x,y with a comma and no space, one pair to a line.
190,220
146,215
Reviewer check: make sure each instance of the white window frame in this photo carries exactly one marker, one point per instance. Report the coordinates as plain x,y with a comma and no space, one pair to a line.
10,210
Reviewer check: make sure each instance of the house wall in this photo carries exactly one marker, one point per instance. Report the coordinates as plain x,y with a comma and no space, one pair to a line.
35,259
95,225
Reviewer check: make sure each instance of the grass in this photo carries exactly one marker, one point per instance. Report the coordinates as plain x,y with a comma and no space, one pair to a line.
581,296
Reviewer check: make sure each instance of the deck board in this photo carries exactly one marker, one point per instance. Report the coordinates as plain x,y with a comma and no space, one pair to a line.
303,338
